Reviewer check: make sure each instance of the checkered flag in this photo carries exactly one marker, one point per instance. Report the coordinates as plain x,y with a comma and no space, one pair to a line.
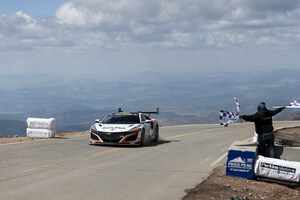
226,117
294,104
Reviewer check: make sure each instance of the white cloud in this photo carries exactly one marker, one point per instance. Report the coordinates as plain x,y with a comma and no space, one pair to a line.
148,22
27,18
71,15
266,40
273,5
91,27
153,22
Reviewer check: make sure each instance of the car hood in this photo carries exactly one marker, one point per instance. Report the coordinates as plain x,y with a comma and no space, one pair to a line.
116,127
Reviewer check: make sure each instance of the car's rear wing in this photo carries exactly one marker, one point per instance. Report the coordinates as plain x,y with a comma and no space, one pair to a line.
144,112
153,112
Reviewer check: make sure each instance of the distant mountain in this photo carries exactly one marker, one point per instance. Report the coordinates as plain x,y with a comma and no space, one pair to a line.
12,127
182,98
79,120
82,120
290,117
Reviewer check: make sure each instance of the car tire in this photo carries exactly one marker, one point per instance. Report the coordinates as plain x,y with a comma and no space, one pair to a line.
156,136
142,142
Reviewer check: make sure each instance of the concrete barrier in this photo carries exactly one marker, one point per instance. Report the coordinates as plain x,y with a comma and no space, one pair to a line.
288,155
282,151
246,145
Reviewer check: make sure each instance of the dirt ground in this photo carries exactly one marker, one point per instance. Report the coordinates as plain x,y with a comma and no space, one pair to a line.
219,186
288,136
59,134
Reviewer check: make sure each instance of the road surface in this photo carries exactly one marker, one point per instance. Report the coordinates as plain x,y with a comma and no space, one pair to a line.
70,168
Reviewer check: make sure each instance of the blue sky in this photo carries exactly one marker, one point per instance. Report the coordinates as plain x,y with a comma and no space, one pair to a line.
34,8
113,38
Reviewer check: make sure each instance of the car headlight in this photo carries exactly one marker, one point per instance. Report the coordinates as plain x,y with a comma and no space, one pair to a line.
93,129
135,130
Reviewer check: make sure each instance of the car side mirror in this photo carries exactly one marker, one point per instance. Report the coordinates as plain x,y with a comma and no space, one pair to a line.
98,121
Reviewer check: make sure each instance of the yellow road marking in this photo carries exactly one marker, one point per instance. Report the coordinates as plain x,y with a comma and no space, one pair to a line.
37,168
108,151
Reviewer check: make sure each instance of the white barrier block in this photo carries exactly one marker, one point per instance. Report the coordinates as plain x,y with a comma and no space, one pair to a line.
277,169
40,133
41,123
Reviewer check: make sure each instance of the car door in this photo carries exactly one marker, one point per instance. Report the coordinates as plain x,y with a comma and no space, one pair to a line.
152,125
147,126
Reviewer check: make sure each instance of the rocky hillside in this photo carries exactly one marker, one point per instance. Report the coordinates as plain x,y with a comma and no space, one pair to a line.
290,117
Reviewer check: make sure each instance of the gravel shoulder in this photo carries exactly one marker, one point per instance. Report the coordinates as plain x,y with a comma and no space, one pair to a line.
24,139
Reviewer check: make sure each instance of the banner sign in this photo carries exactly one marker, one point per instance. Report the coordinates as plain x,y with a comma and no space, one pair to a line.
277,169
240,164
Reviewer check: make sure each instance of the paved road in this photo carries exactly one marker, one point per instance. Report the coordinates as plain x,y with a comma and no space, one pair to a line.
69,168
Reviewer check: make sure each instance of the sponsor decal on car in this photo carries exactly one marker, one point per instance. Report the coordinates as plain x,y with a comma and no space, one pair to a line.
113,128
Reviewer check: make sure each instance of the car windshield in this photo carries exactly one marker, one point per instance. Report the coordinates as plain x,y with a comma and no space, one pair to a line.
121,119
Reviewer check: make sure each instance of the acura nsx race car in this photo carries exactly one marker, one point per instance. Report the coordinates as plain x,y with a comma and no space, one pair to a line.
134,128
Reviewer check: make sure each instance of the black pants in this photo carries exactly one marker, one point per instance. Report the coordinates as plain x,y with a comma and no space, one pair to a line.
266,140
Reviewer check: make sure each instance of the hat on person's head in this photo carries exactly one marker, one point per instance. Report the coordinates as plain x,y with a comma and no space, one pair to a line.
261,106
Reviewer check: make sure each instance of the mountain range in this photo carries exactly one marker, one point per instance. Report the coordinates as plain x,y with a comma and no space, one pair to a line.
182,98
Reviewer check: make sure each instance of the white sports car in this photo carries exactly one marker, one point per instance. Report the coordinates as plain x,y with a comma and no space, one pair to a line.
134,128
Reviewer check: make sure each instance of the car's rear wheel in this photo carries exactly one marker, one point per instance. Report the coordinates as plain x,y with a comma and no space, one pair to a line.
156,136
142,138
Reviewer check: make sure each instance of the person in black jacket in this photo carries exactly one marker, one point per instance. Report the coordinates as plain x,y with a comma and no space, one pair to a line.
264,127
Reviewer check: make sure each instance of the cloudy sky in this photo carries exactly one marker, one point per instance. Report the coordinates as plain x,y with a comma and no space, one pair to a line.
94,38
